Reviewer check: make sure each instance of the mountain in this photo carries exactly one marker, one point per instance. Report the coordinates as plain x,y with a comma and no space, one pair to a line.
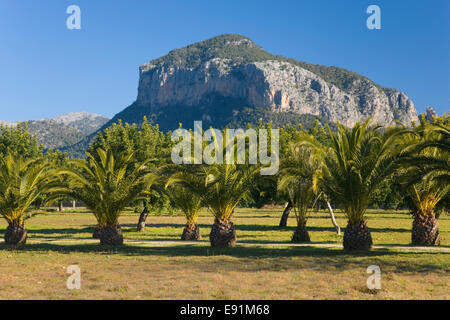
229,80
221,79
64,130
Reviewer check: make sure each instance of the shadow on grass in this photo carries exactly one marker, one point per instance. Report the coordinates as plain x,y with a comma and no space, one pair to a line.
252,259
132,227
256,227
59,233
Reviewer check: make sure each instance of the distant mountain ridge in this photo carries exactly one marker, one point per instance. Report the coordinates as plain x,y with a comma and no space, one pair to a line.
64,130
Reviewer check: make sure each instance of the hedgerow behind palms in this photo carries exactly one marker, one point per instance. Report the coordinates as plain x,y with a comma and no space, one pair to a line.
22,182
107,184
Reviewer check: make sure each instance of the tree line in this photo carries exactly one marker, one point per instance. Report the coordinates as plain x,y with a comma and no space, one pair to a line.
130,165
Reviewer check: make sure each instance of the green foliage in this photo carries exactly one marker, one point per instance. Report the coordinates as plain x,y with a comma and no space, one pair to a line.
189,203
426,165
22,182
105,183
147,143
145,140
298,177
19,142
52,134
218,47
221,187
356,164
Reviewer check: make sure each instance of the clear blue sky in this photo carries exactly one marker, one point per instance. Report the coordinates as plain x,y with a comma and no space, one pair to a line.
47,70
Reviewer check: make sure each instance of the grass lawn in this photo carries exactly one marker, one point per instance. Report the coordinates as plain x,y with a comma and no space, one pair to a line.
262,266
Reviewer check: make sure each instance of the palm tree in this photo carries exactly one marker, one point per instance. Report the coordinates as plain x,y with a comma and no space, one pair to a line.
107,184
22,182
426,177
357,162
424,197
190,204
221,188
299,179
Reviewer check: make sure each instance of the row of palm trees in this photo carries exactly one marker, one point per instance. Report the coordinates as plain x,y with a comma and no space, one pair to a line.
347,170
356,164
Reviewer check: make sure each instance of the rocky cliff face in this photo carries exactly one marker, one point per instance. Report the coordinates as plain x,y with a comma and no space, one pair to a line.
262,80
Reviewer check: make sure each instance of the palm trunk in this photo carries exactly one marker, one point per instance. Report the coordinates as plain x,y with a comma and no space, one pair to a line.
16,233
357,237
97,231
143,217
191,232
301,233
60,206
425,230
287,210
223,234
333,219
111,236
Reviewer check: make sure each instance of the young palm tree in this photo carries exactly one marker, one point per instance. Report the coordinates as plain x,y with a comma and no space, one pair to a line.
299,179
190,204
424,197
107,184
22,182
357,162
221,188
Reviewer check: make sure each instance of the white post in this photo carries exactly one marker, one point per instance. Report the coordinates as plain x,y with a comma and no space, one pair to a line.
333,219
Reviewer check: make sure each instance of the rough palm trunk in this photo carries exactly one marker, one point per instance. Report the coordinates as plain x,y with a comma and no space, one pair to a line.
301,234
191,232
60,206
97,231
16,233
285,215
223,234
111,236
425,230
142,218
357,237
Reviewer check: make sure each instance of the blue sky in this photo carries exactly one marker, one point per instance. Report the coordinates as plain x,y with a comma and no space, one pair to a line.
47,70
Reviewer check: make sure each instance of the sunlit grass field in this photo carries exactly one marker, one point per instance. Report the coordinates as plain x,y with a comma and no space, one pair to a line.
262,266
